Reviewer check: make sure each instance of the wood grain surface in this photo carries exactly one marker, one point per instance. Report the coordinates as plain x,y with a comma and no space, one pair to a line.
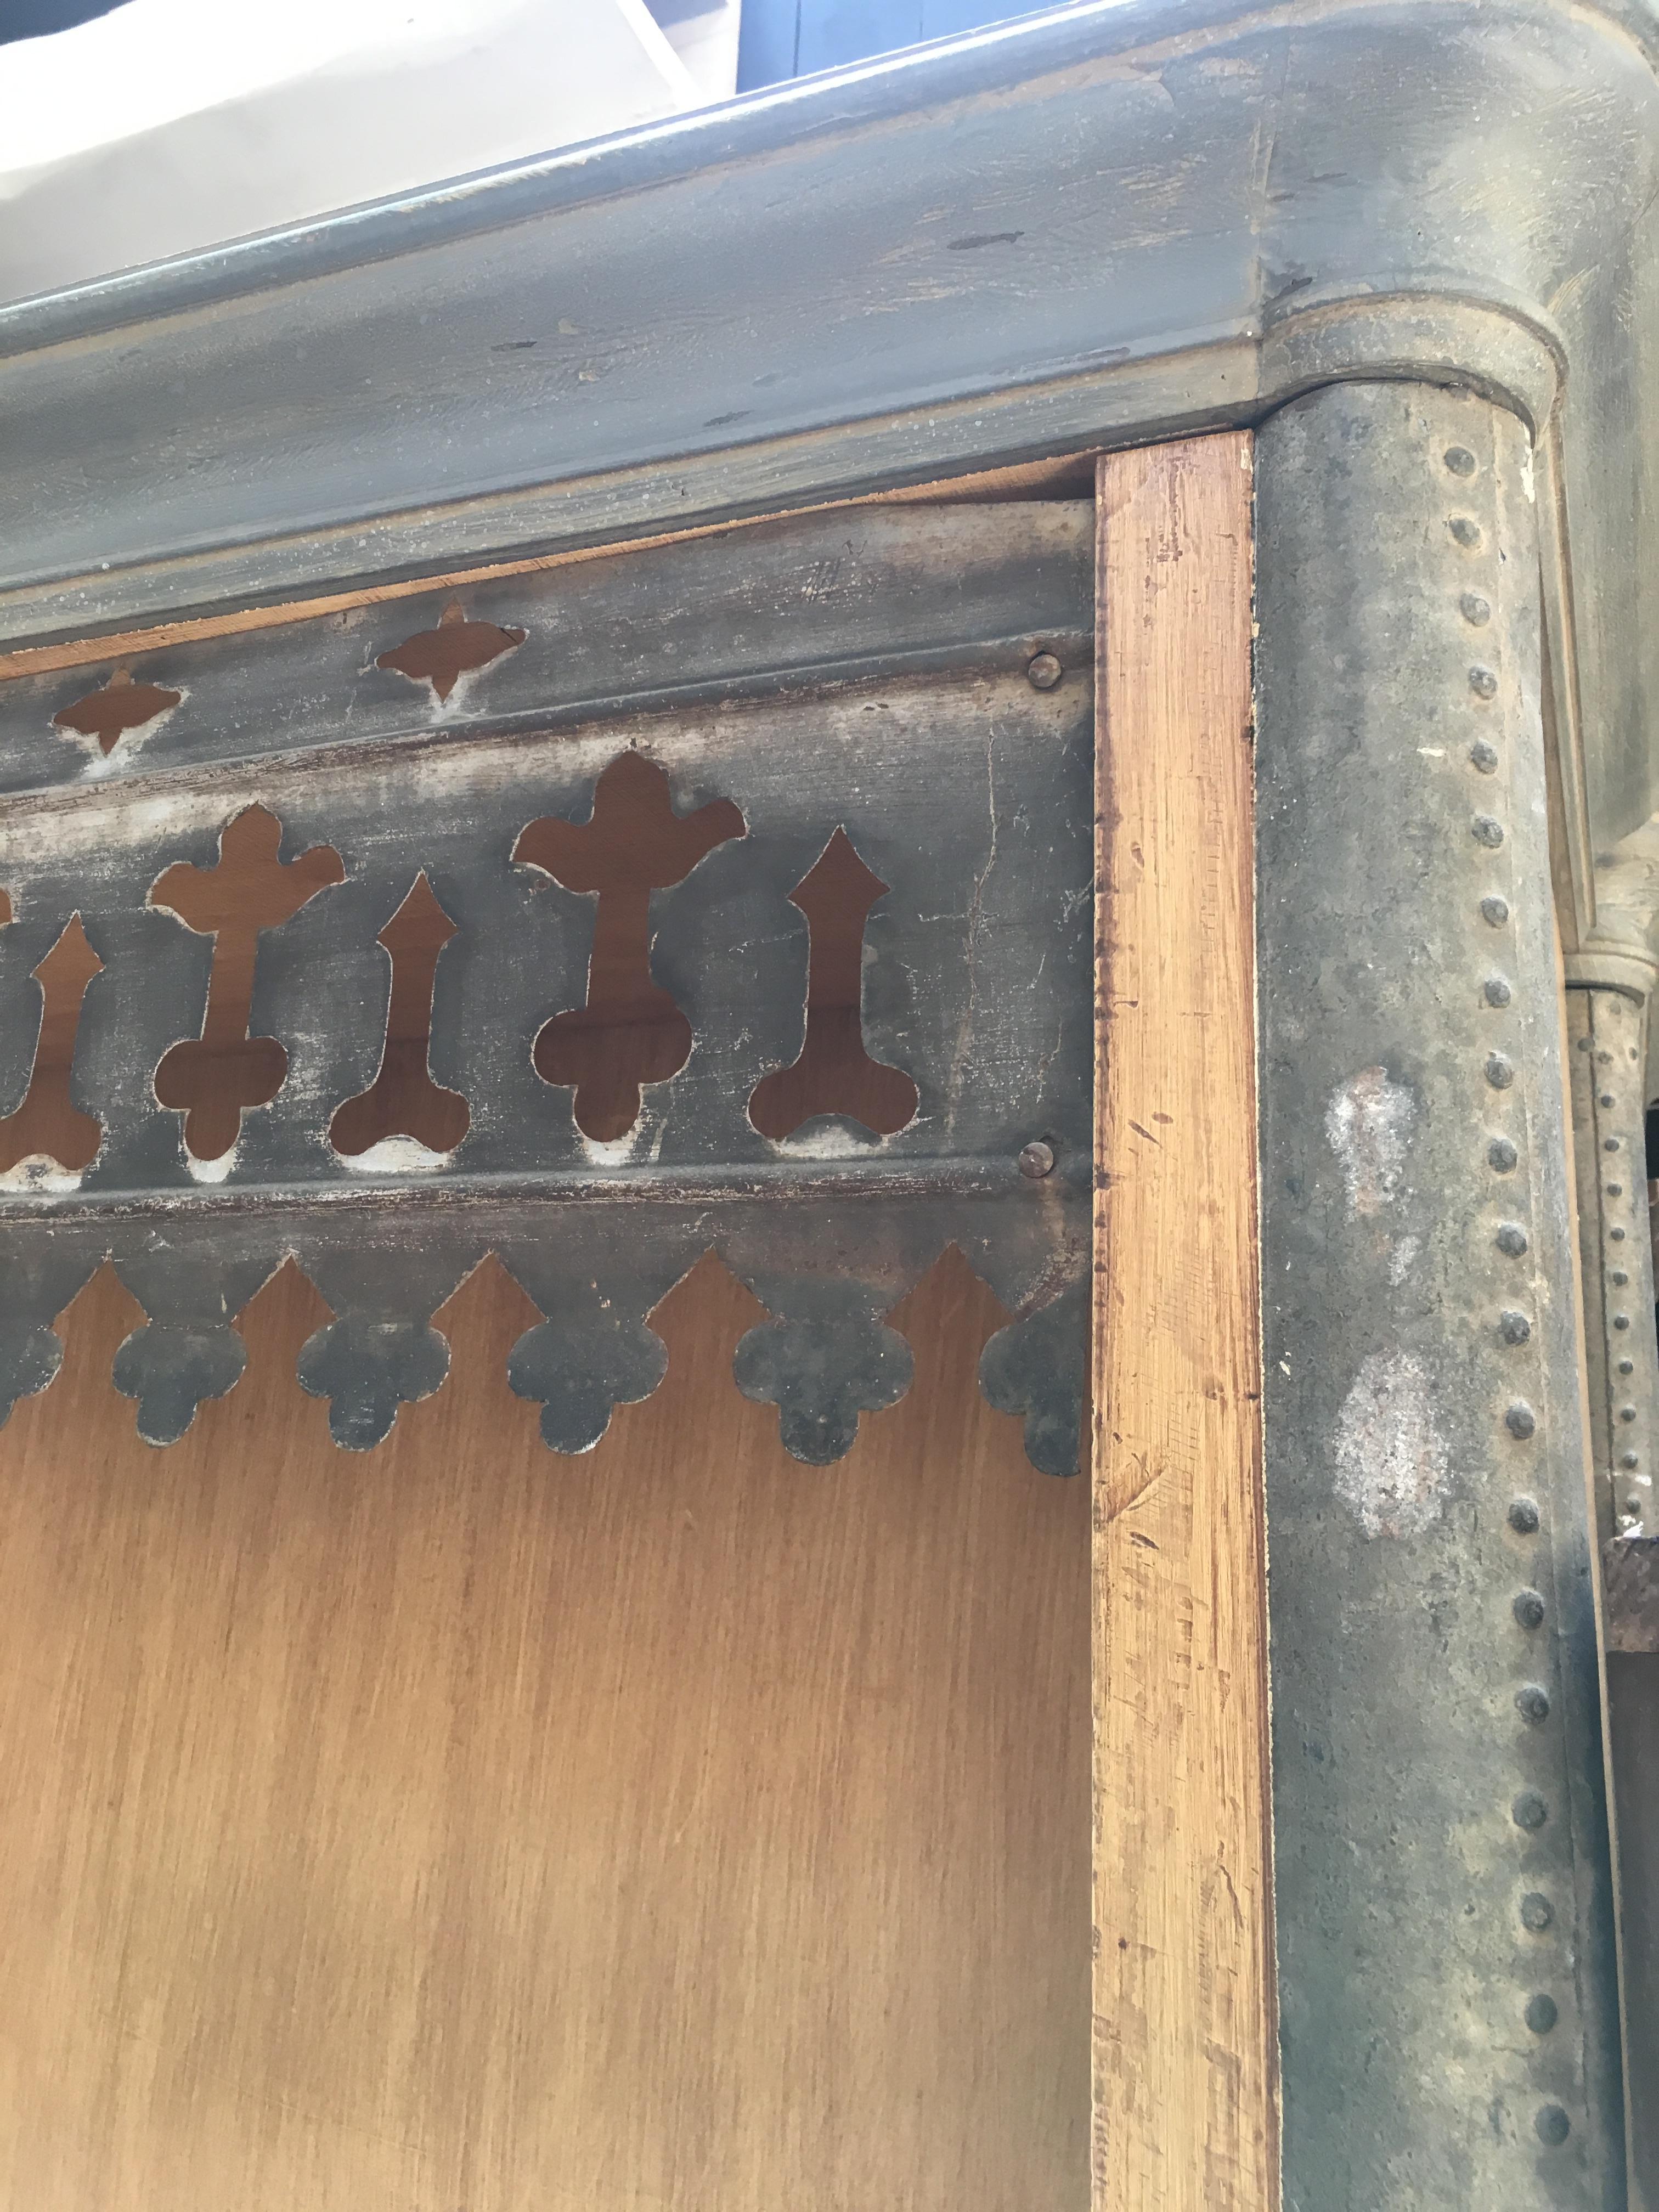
458,1828
1185,2046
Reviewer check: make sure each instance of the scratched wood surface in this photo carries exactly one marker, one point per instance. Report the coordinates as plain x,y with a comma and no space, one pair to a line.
1184,2039
459,1826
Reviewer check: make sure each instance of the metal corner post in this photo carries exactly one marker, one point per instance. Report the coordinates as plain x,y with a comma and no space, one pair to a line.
1449,2008
1608,1012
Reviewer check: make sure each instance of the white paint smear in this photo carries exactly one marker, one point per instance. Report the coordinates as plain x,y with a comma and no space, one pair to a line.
1392,1464
1368,1125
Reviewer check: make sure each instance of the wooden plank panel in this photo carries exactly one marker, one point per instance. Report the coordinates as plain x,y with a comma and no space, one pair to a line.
460,1825
1185,2046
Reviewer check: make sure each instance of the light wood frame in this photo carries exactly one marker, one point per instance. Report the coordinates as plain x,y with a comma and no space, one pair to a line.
1185,2041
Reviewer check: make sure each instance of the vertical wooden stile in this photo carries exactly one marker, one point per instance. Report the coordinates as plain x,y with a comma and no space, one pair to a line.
1185,2042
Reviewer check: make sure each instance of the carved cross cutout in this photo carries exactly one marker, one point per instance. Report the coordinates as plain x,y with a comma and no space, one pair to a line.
403,1101
630,1032
457,648
48,1125
115,707
214,1079
835,1073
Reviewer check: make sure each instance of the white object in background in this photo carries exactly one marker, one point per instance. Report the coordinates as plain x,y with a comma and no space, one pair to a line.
704,34
171,125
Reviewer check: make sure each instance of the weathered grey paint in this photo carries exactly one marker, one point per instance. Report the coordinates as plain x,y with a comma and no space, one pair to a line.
1436,1759
898,708
1607,1040
1108,224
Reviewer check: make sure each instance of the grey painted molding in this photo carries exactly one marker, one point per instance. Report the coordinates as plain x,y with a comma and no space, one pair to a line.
1104,225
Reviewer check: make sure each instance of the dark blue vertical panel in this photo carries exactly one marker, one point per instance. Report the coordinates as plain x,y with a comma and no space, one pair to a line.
766,43
784,38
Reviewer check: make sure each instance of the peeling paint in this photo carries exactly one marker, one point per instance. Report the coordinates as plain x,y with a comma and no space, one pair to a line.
397,1156
1368,1125
1392,1462
1403,1258
40,1173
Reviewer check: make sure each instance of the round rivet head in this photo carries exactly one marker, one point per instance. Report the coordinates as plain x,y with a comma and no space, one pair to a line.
1514,1328
1616,1235
1528,1609
1615,1190
1036,1159
1487,831
1610,1144
1621,1321
1536,1911
1541,2014
1475,610
1496,992
1511,1240
1520,1420
1495,911
1625,1367
1043,672
1501,1156
1485,757
1627,1412
1483,683
1553,2126
1464,530
1629,1461
1529,1811
1460,460
1500,1070
1524,1516
1618,1276
1606,1097
1532,1702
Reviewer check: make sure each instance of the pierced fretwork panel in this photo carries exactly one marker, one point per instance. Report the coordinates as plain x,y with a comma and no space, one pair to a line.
532,989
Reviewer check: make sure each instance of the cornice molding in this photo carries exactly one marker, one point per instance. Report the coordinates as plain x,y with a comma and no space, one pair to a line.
1104,226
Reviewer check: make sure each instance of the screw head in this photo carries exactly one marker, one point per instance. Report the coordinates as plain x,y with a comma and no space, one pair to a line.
1043,672
1036,1159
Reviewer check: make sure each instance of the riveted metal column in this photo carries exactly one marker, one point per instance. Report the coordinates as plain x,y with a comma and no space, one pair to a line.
1447,1981
1606,1029
1607,1037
